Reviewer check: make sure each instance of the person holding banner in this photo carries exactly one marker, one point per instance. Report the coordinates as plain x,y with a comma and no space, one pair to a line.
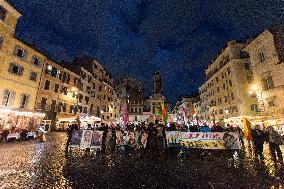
258,137
275,140
151,141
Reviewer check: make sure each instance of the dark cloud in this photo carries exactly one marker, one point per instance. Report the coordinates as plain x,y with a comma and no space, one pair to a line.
137,37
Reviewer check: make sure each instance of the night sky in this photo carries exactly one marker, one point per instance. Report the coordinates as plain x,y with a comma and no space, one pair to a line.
137,37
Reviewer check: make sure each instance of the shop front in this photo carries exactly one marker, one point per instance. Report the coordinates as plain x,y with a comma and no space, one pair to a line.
17,119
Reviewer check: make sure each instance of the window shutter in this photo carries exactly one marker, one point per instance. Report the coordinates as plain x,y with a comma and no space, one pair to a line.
27,101
264,84
21,70
11,99
25,54
5,97
11,68
1,42
15,50
21,101
270,82
2,93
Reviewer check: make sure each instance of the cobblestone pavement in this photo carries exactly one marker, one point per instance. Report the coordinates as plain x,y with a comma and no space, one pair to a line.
32,164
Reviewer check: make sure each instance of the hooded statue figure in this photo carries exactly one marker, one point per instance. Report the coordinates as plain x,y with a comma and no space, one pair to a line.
157,83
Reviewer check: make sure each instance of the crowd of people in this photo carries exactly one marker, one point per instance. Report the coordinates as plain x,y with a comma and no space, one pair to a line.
150,136
153,136
260,135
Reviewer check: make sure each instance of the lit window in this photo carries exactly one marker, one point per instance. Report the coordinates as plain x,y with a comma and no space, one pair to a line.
49,67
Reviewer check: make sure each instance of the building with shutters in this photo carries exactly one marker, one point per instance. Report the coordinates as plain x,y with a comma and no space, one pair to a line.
131,93
98,86
33,85
229,77
267,61
185,109
20,72
56,93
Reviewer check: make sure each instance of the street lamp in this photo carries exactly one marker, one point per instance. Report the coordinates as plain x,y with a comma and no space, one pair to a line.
75,94
227,112
102,115
254,90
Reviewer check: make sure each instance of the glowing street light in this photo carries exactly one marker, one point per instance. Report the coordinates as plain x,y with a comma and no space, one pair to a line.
255,91
74,89
102,115
254,87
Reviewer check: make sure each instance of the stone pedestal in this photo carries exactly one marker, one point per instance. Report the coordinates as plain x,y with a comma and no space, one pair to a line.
155,104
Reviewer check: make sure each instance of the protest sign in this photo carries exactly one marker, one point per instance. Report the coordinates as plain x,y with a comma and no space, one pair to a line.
210,140
96,141
86,139
142,139
131,139
76,138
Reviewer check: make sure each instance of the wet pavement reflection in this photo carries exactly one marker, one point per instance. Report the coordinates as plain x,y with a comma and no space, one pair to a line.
32,164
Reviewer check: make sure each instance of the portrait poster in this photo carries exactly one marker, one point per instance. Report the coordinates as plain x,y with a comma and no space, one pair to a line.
130,139
96,141
142,139
120,138
75,140
86,139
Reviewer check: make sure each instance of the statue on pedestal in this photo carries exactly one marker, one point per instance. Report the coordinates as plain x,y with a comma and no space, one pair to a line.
157,83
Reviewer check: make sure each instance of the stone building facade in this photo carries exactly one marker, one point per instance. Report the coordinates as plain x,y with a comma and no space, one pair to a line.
20,71
31,82
21,64
267,61
131,93
104,98
226,90
188,103
56,91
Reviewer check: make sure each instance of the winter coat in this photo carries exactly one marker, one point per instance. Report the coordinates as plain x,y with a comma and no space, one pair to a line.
274,136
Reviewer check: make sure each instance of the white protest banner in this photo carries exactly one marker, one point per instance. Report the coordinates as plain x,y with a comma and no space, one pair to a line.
209,140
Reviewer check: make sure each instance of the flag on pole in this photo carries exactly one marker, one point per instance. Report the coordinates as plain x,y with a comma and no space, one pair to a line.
247,127
164,112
